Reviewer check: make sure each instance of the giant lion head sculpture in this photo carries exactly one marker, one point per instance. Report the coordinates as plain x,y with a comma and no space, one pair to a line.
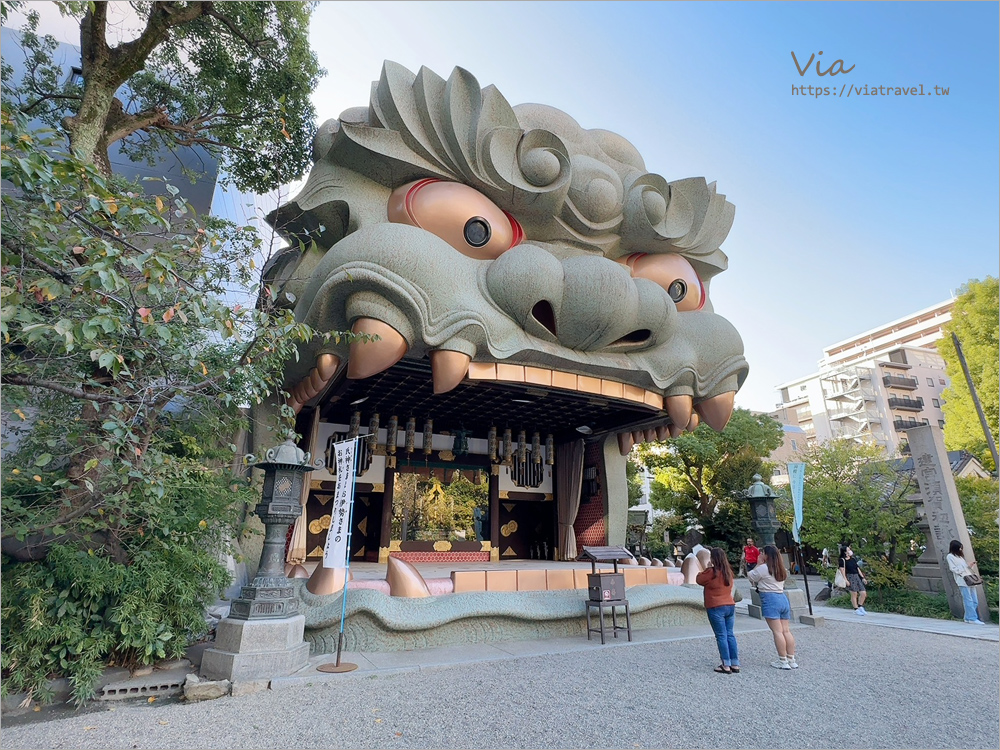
463,230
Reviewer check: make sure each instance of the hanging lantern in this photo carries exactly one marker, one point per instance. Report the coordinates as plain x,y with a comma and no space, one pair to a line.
491,444
536,448
390,435
507,451
428,437
522,447
550,450
411,429
373,433
355,426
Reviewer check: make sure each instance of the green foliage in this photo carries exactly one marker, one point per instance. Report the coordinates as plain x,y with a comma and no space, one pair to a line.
853,494
697,471
129,366
633,476
974,321
233,78
901,601
75,611
980,499
729,528
654,539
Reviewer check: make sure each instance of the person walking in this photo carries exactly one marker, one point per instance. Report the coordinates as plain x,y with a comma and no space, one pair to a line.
720,606
768,576
856,581
960,568
751,554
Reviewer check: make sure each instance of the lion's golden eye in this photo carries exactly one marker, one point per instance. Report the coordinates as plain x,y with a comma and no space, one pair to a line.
461,216
672,272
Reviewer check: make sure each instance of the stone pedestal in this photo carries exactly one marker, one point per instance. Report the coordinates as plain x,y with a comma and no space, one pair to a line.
796,600
256,649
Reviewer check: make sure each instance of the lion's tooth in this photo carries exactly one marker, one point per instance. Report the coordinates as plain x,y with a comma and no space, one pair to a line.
624,443
663,432
650,435
679,409
638,437
693,422
717,410
675,430
369,358
448,369
316,380
327,365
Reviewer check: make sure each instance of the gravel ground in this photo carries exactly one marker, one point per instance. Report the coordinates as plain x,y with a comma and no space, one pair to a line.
858,687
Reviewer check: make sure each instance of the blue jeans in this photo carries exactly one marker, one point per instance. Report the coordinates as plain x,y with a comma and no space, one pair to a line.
971,600
722,620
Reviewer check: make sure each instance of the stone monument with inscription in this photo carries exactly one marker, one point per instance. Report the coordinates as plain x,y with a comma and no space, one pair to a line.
941,515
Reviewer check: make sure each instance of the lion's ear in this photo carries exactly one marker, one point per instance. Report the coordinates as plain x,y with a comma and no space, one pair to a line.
325,223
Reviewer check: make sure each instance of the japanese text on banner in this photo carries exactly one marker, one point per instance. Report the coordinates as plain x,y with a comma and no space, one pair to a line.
335,550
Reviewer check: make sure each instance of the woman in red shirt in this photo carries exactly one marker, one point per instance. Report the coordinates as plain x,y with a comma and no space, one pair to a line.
717,579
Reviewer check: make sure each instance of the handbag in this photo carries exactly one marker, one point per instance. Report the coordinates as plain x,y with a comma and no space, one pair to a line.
840,580
973,579
737,596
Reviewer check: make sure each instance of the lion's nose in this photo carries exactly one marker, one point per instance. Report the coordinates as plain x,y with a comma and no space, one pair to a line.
587,303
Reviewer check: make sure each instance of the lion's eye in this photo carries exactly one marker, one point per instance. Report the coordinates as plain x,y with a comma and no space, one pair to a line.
677,290
672,272
477,231
461,216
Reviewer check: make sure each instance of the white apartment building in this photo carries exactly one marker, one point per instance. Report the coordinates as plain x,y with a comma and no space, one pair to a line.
873,386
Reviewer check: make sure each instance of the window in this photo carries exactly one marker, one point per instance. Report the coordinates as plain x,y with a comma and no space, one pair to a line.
795,446
941,423
936,402
941,381
924,421
930,381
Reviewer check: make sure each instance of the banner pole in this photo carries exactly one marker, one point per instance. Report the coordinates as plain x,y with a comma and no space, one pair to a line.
347,565
345,666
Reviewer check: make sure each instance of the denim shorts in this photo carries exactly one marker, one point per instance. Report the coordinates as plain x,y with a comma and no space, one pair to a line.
775,606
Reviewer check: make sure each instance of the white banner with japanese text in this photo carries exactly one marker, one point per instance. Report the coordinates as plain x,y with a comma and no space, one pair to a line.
335,549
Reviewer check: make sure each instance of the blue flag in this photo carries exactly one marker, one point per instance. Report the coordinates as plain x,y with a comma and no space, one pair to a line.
796,478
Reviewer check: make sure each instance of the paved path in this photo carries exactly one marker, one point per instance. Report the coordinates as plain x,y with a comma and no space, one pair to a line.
875,681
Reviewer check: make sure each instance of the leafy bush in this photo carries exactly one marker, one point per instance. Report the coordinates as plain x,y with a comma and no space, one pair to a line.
901,602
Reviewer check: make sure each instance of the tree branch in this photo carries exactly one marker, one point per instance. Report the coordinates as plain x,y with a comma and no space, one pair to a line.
13,379
15,247
254,45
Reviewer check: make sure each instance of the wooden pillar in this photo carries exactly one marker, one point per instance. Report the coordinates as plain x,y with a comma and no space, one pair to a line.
495,515
385,533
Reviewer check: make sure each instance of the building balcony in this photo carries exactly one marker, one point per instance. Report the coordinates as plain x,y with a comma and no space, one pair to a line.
905,424
900,381
905,403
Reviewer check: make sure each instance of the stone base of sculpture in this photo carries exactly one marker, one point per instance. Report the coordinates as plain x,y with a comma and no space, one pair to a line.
256,649
796,600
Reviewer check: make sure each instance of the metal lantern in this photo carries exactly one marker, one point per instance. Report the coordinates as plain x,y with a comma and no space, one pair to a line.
355,427
550,449
269,595
373,433
428,437
491,444
411,431
522,447
391,430
536,448
763,516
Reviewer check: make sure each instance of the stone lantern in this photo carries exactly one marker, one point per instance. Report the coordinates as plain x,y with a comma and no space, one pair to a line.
269,595
763,517
262,636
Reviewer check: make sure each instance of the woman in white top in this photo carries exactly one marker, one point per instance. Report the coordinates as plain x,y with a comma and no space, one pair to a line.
960,568
768,576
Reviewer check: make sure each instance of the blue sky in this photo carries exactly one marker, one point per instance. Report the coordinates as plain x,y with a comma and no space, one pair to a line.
850,212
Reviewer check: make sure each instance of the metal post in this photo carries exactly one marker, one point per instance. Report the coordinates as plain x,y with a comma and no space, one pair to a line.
805,578
975,400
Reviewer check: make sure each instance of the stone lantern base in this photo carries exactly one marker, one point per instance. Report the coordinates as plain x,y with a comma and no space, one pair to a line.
256,649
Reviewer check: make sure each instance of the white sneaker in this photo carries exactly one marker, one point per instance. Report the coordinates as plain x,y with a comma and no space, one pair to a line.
792,663
781,664
860,611
977,622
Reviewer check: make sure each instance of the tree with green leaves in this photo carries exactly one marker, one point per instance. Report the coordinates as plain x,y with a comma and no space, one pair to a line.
980,500
974,321
697,471
854,495
234,78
